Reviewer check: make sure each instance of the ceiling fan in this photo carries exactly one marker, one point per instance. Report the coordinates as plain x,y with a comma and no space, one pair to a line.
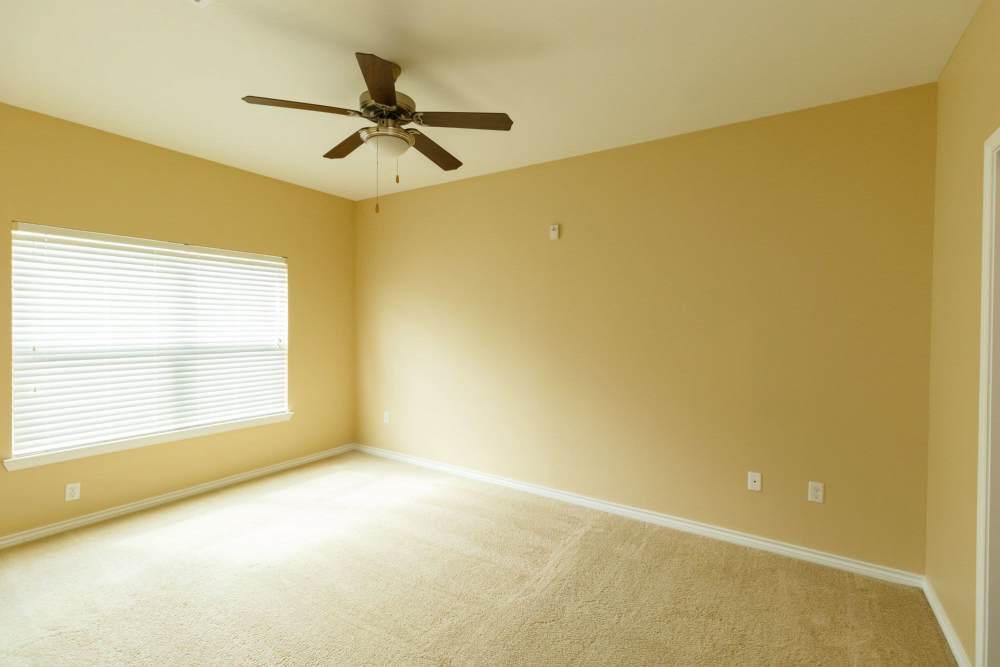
390,110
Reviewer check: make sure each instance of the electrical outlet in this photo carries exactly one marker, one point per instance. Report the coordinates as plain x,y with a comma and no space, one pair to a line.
385,417
554,232
754,481
72,491
816,492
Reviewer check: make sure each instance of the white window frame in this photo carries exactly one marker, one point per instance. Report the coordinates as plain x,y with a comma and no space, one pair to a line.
19,462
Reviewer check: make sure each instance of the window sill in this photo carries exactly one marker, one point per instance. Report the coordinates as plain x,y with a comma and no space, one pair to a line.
45,458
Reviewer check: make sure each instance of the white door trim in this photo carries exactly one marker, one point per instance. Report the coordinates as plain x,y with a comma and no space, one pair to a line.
988,351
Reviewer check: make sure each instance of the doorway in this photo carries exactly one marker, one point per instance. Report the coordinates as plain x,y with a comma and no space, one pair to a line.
988,556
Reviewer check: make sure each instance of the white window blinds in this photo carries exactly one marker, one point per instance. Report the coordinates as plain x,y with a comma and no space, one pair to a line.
117,339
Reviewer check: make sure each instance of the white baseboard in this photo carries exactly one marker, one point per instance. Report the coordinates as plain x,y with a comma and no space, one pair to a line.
669,521
103,515
961,657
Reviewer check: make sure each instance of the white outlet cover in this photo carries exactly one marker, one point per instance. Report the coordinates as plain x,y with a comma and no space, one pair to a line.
554,232
72,491
754,481
385,416
816,492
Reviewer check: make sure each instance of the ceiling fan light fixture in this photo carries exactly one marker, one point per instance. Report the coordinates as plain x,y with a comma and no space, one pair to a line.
390,141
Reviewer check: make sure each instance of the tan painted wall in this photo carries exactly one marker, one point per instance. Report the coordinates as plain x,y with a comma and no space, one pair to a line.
968,112
57,173
750,297
753,297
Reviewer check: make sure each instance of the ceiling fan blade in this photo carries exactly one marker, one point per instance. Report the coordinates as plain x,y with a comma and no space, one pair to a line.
469,120
345,147
380,76
289,104
437,155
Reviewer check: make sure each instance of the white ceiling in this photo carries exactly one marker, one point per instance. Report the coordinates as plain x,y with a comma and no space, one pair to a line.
575,75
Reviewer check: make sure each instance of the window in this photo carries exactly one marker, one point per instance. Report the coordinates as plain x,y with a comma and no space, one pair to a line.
120,342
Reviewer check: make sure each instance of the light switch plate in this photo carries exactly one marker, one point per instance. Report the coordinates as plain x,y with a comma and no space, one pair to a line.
72,491
816,493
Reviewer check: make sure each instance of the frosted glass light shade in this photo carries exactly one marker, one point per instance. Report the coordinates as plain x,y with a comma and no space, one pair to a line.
389,147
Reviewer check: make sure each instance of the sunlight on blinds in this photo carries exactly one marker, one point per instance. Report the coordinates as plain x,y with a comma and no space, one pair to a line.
117,338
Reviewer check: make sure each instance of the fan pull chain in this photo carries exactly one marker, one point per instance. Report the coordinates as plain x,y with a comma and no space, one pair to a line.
397,171
377,142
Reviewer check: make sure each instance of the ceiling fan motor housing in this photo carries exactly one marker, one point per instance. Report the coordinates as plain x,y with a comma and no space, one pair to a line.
375,112
390,140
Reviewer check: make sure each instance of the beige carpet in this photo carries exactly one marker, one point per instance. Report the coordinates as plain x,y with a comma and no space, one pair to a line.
360,561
